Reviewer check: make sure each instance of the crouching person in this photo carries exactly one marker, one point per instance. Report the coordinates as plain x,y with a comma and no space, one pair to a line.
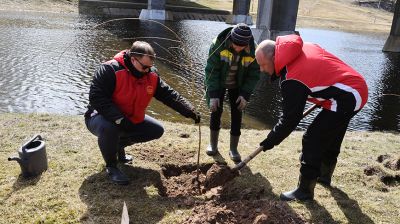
120,92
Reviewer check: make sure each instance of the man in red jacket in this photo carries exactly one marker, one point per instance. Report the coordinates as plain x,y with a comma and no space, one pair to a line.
309,73
120,92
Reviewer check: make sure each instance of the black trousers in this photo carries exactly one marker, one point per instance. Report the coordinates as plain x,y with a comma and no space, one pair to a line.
111,139
322,141
236,114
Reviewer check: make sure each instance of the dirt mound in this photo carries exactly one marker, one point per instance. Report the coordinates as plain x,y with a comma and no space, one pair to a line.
245,211
183,181
370,170
393,164
389,178
224,204
389,162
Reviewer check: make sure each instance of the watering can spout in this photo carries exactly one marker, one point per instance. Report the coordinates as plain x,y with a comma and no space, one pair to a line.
16,159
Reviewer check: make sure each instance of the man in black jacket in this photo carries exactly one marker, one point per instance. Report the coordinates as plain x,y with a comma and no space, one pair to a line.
120,92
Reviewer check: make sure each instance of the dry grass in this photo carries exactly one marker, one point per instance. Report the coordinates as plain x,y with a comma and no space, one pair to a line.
75,188
328,14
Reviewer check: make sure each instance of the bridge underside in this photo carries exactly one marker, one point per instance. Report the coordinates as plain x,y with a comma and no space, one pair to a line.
131,9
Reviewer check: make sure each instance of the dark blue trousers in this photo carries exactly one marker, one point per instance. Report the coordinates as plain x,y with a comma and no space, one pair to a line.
111,139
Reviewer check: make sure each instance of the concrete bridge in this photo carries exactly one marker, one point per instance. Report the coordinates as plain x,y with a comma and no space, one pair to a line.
274,18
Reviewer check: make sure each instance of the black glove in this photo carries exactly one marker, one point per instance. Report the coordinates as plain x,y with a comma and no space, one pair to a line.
266,145
196,117
125,124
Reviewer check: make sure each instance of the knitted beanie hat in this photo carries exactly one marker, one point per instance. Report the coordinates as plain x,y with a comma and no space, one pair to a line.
241,34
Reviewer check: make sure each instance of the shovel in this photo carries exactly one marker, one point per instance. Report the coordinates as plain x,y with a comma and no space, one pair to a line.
257,151
219,174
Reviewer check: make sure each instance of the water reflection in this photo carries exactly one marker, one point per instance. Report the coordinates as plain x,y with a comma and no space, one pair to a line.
386,107
48,61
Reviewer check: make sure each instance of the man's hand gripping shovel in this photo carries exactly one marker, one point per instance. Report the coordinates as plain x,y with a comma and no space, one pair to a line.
218,174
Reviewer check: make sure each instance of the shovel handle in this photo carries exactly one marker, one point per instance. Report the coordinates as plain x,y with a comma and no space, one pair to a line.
309,110
247,159
257,151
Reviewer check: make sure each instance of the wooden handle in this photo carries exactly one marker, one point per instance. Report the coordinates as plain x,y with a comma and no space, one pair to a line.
257,151
247,159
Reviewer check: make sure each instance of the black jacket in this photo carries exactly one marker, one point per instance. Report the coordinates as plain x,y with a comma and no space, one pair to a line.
103,86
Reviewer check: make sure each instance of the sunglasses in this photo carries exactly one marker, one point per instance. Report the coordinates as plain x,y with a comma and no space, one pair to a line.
144,67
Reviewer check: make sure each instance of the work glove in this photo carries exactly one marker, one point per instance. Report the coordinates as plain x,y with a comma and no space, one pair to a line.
214,104
241,102
267,145
125,125
196,117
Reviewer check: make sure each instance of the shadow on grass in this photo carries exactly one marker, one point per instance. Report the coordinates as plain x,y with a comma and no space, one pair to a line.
105,200
21,183
251,198
219,159
319,214
350,207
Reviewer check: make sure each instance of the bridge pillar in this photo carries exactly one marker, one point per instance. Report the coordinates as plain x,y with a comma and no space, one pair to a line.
275,18
263,23
393,42
156,11
240,13
284,16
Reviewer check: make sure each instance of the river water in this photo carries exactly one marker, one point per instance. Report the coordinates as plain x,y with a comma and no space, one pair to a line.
48,60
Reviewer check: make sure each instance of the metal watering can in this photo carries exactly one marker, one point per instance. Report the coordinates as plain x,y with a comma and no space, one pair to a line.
32,157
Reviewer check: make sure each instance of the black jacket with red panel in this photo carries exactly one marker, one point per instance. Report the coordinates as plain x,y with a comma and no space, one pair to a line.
309,73
116,93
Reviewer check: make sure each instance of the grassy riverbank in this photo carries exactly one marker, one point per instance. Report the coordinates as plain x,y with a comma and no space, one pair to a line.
328,14
75,188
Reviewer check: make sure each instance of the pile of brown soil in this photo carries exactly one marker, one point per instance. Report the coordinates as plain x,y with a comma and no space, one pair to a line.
223,204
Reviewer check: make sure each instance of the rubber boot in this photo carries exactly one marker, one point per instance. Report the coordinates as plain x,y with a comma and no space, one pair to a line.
117,176
233,152
212,148
303,192
122,157
326,173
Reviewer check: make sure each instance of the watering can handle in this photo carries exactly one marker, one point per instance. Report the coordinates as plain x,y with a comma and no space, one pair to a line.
32,139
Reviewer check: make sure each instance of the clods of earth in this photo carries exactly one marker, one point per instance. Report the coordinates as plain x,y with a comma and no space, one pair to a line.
222,204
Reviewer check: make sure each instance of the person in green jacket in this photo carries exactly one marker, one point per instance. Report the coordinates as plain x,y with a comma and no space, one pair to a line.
232,68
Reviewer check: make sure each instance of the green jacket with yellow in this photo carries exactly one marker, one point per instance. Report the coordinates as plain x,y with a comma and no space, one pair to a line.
219,59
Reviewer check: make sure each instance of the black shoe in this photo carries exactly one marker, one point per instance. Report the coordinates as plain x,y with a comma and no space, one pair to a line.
125,158
117,176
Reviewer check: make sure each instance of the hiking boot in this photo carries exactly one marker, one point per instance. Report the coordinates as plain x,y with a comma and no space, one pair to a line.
117,176
303,192
212,148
